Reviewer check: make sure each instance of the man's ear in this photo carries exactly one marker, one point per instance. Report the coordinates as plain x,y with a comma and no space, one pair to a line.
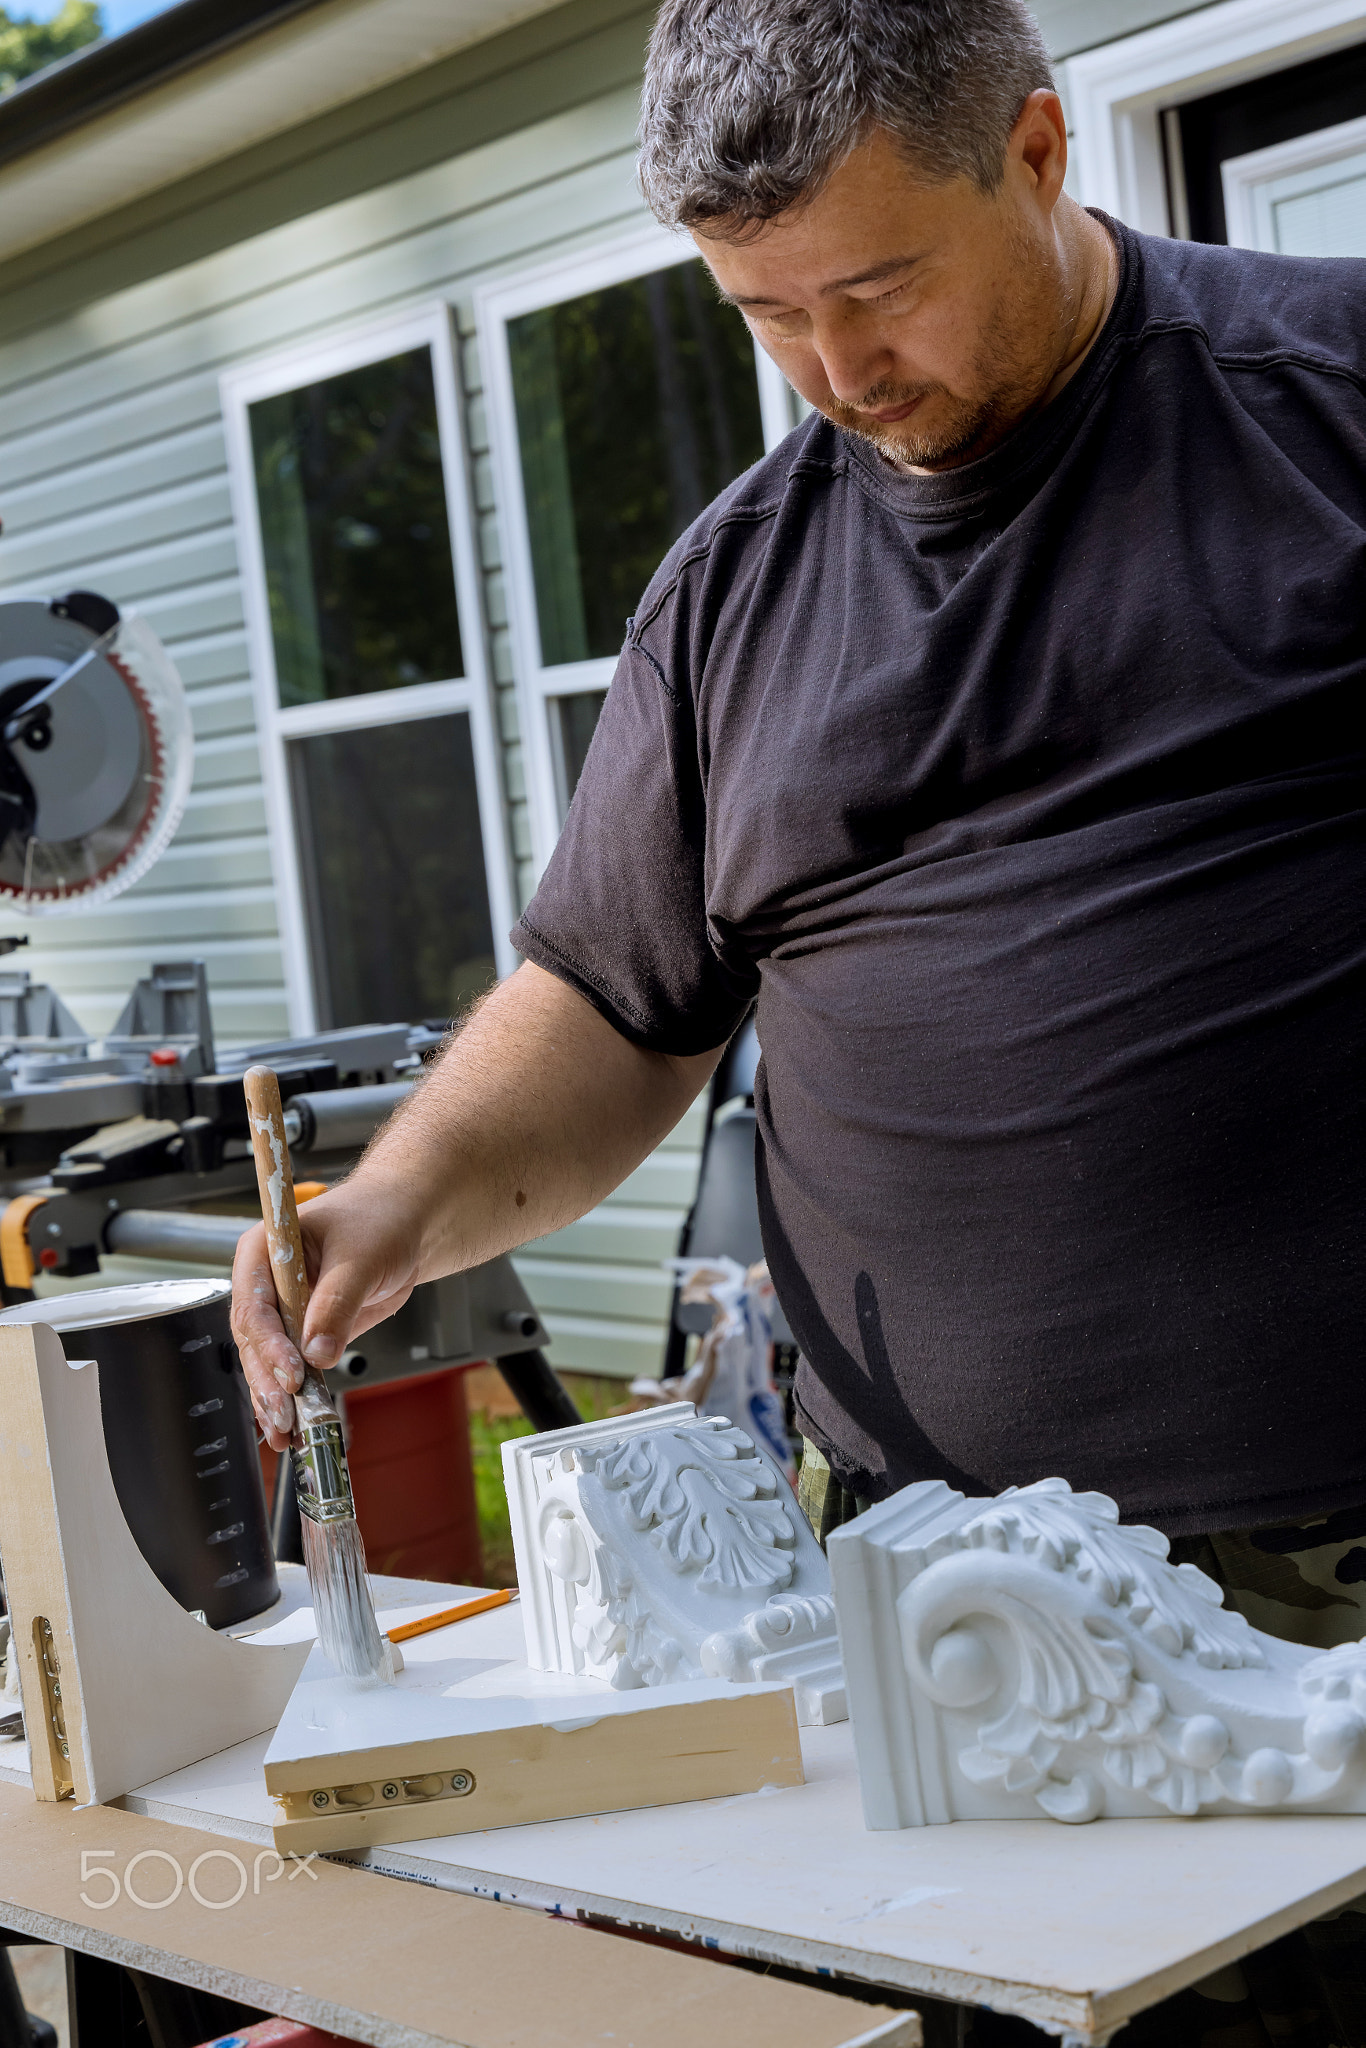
1038,143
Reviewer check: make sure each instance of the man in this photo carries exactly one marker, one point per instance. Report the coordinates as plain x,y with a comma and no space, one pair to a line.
995,734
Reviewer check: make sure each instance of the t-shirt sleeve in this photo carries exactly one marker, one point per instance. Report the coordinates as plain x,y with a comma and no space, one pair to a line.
621,911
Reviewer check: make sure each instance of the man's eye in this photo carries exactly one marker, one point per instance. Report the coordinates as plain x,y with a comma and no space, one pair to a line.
781,323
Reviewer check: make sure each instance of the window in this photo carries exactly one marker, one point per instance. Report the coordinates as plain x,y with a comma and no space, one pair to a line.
1300,198
624,396
1279,162
351,490
393,866
1137,103
573,719
378,750
635,405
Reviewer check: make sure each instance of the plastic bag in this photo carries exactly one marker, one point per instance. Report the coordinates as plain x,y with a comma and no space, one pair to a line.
733,1373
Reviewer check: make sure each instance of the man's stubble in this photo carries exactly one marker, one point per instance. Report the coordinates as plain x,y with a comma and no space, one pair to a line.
1015,362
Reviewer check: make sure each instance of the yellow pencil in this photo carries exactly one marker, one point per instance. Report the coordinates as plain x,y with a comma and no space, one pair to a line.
448,1614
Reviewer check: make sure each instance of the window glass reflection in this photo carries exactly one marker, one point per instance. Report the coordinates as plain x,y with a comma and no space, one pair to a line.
354,528
573,721
393,867
635,406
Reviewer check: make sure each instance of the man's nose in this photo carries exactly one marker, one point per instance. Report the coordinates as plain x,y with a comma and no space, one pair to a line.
853,359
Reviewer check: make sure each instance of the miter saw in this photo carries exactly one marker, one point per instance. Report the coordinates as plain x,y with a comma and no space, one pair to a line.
96,751
136,1142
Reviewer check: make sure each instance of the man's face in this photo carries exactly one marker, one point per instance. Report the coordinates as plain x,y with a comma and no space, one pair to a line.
927,318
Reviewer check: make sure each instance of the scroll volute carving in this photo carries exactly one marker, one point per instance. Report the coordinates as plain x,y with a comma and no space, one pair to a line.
1029,1654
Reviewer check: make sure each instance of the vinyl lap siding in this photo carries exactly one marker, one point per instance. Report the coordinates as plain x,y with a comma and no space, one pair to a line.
113,476
164,542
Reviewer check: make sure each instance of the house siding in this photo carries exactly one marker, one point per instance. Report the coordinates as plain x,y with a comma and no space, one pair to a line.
113,476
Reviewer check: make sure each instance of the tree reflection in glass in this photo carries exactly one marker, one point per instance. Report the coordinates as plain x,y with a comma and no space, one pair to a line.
355,532
635,406
393,869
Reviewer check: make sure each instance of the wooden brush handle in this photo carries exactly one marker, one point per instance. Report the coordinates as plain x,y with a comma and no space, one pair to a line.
275,1180
280,1211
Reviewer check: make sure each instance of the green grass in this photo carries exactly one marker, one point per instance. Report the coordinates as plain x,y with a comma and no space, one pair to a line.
488,1434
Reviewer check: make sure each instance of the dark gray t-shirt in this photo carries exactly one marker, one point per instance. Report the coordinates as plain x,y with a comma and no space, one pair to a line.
1027,799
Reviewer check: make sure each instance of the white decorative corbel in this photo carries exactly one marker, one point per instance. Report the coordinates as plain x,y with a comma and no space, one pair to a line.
1029,1655
666,1546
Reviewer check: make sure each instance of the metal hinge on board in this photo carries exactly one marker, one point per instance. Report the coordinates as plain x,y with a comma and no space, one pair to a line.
45,1650
393,1791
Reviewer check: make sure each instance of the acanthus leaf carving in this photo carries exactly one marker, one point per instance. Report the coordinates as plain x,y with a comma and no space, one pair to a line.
708,1506
666,1546
1178,1606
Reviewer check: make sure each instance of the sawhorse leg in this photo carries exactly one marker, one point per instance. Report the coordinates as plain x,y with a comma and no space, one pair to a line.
114,2007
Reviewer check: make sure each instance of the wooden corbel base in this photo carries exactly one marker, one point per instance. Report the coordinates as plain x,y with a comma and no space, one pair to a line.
351,1767
120,1684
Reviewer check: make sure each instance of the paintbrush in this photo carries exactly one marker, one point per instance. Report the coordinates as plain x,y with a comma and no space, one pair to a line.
334,1554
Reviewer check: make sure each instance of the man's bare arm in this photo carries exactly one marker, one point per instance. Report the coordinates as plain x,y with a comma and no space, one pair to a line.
534,1112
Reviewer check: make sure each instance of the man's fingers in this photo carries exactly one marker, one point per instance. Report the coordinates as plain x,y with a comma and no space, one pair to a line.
358,1280
356,1287
270,1362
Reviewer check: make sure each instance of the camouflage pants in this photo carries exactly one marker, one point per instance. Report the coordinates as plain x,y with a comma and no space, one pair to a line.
1306,1582
825,1503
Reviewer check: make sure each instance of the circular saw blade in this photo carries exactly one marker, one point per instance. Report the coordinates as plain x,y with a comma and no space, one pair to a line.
93,779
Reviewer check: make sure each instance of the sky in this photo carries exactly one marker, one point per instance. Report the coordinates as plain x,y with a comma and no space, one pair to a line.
118,14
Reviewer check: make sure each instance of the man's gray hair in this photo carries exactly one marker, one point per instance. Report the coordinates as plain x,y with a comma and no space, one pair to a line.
750,105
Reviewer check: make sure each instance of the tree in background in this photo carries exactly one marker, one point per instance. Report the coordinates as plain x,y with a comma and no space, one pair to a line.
27,46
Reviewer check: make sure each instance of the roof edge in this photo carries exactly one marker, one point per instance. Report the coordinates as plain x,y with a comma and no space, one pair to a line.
107,74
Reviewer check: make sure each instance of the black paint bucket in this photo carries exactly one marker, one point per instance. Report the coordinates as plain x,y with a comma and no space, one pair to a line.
180,1435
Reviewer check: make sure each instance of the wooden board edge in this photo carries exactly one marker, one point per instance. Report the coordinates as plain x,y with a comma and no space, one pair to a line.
903,2031
35,1575
291,1951
1113,2008
669,1722
613,1764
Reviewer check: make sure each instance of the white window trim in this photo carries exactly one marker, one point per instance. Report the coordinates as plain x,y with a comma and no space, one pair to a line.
633,254
1246,177
1117,92
287,370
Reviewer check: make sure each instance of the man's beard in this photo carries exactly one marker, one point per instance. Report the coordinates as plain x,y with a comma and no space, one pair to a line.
968,429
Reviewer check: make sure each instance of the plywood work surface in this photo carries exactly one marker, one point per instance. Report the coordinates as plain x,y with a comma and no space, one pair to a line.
404,1966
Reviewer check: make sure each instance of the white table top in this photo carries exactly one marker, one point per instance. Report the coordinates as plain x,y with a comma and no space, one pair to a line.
1076,1929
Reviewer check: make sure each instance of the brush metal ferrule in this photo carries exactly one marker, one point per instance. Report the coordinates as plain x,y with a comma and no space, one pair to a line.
321,1479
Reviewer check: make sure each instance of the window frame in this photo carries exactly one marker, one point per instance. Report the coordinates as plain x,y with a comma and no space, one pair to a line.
269,376
645,248
1119,92
1246,177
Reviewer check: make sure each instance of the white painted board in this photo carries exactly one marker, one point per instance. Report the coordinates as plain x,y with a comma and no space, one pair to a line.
1069,1927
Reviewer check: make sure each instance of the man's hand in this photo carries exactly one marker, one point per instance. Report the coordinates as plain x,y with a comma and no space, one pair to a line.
535,1111
362,1264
